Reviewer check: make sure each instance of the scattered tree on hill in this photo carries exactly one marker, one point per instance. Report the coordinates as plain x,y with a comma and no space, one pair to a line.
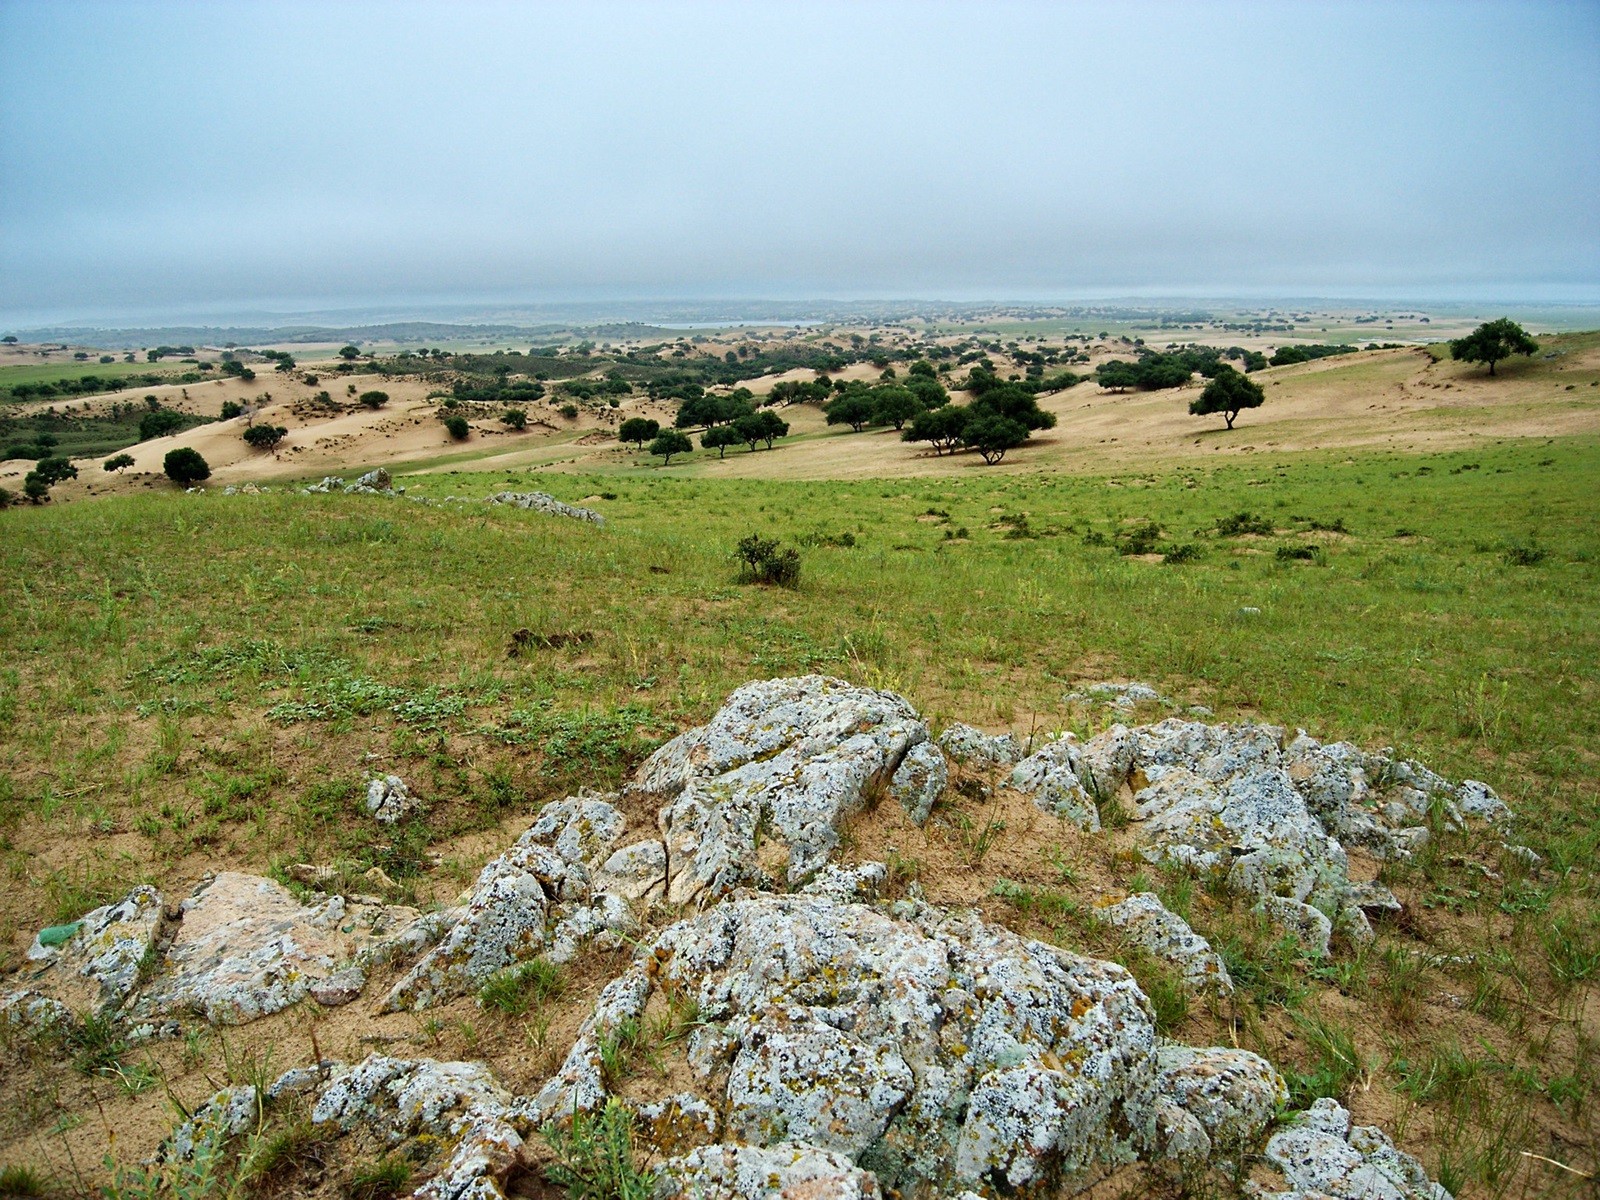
764,426
159,422
720,437
894,405
943,427
349,353
1229,394
854,408
517,418
992,435
35,488
54,470
118,462
668,443
374,400
1493,341
710,410
231,409
457,427
265,437
638,430
10,339
185,467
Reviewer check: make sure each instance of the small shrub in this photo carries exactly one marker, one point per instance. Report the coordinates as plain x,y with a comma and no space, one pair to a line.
763,562
1187,552
457,427
1296,554
1524,554
595,1158
569,411
373,400
118,462
1141,539
1242,523
22,1181
516,418
231,409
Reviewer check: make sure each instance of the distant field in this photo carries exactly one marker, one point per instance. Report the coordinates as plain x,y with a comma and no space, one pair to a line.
176,702
13,373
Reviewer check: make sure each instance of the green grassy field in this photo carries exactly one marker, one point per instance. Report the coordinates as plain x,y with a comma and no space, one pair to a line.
56,370
192,681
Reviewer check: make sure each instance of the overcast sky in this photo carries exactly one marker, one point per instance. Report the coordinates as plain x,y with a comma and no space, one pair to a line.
165,159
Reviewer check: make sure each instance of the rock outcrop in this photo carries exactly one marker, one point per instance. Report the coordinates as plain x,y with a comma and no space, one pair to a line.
245,947
535,900
1147,923
762,788
541,502
99,964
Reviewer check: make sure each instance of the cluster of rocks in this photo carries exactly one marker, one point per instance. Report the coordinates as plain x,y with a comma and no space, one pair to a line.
842,1044
374,483
545,503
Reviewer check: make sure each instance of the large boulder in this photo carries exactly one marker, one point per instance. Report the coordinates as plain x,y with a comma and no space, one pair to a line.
929,1048
763,786
245,947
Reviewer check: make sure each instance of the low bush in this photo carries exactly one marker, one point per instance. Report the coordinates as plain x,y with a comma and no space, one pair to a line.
761,561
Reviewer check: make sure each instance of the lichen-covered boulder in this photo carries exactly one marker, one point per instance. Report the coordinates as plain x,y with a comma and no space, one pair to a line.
535,900
458,1103
975,748
1147,923
1051,777
246,947
925,1046
1322,1155
635,872
783,1171
98,965
920,780
227,1114
764,785
1212,1102
546,503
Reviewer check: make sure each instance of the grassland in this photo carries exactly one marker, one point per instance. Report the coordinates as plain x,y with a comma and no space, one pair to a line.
195,682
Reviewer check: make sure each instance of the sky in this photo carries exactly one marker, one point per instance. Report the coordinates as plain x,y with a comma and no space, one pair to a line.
196,159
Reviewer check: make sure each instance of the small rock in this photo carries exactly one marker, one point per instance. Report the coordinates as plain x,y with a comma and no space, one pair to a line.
226,1115
920,780
99,964
978,749
339,988
1051,777
1325,1156
636,872
389,800
1147,923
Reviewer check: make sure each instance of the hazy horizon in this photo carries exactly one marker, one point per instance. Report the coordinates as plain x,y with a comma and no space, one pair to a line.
185,162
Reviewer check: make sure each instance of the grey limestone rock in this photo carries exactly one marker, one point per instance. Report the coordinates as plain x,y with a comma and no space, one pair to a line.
246,948
782,1171
1051,776
931,1048
542,502
536,899
636,872
1147,923
978,749
765,783
389,800
460,1103
99,965
225,1115
1323,1155
920,780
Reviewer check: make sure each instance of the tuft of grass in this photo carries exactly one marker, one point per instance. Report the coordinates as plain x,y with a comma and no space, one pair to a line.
516,989
1335,1063
379,1179
23,1181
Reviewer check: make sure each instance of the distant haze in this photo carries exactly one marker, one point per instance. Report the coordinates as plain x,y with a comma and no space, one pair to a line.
194,160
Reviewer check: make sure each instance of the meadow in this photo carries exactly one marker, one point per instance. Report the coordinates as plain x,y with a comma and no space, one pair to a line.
200,681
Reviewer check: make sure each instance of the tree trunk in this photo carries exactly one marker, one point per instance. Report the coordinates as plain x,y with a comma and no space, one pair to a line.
1228,417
